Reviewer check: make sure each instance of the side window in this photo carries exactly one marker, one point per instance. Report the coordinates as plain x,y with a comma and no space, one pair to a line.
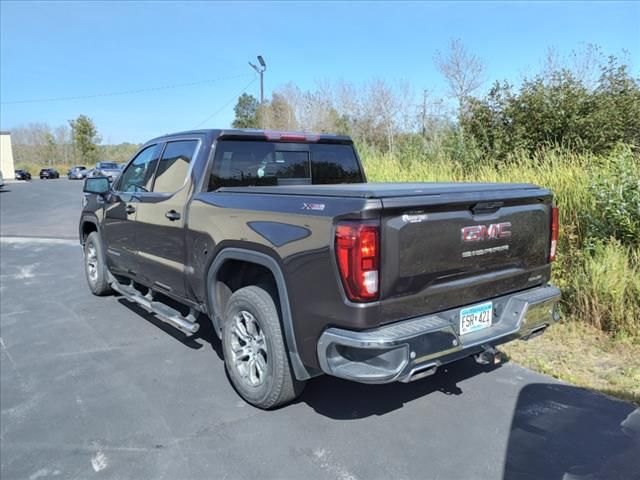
138,175
174,165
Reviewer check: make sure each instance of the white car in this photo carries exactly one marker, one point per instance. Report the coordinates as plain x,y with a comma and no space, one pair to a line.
78,172
111,170
1,180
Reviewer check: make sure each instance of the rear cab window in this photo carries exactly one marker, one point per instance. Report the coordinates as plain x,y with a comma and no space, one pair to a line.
258,163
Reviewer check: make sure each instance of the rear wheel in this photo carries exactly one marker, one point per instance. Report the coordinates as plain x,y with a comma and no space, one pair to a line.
94,266
254,350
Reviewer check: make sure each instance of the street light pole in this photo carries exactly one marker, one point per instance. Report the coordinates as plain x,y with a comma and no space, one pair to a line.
261,69
261,87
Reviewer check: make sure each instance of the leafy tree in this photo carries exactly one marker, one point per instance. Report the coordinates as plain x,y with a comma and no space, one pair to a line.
39,143
86,138
118,153
282,114
246,111
617,107
50,145
557,108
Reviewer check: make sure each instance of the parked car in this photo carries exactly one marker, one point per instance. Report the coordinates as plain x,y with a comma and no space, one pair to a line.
111,170
304,268
49,173
77,173
22,174
1,180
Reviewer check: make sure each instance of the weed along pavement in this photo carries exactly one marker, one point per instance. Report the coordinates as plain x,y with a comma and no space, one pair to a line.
96,387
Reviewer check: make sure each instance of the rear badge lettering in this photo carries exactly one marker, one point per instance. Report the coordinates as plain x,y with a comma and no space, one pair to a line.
319,207
414,218
485,251
480,233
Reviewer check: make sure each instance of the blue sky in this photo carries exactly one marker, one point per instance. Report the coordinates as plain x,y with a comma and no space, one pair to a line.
51,50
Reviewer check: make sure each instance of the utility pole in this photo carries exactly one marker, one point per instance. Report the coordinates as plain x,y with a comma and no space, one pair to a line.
261,69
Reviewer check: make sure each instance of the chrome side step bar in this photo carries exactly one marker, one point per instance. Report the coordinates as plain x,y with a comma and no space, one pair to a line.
162,311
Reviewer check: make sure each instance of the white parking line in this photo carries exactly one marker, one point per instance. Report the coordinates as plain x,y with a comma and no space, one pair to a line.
38,240
4,347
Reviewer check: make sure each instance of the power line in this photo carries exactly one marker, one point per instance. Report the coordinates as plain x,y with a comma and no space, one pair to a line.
126,92
227,104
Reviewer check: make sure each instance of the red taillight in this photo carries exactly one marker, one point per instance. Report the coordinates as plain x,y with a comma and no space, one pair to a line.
554,234
357,253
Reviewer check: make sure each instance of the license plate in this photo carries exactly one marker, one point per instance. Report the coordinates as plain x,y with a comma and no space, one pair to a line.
476,318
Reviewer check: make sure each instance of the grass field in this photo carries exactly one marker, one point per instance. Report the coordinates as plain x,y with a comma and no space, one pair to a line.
580,354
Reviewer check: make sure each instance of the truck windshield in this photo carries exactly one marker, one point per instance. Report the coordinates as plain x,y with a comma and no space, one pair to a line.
255,163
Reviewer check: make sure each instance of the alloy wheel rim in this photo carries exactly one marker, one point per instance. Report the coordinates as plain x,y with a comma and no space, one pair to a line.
92,263
249,349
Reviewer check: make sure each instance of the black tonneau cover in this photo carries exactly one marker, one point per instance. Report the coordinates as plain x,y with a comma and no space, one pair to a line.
390,190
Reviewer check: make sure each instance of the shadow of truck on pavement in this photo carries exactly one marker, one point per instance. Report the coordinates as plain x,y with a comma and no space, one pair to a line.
562,432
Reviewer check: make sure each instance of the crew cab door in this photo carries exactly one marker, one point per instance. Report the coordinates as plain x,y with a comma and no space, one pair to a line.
120,210
160,221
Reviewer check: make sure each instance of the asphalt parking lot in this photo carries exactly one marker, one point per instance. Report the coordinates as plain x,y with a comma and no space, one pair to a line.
96,388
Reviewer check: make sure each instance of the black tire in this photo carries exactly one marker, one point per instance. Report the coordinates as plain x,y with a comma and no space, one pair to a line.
94,266
277,385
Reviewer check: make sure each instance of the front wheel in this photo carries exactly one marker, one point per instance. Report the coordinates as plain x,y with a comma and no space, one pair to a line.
94,266
255,355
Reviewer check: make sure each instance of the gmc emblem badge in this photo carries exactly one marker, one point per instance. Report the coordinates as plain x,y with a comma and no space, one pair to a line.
480,233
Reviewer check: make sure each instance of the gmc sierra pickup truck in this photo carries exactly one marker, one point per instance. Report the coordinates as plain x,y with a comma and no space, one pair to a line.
304,268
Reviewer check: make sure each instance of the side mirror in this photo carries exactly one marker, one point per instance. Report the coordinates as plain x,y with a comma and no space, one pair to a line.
97,185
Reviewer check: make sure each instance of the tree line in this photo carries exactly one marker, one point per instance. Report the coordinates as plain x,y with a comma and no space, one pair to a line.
586,101
77,143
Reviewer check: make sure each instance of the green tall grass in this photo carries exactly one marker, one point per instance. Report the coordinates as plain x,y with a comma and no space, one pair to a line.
600,278
606,289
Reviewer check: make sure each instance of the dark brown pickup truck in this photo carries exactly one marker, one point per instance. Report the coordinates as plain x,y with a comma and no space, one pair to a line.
304,268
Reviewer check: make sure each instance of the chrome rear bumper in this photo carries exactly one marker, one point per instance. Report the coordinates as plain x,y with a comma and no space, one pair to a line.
412,349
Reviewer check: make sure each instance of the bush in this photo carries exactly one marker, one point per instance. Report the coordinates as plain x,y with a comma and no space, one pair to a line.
557,108
616,197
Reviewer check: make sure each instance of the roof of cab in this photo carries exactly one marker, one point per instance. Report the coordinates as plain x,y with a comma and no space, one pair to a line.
258,134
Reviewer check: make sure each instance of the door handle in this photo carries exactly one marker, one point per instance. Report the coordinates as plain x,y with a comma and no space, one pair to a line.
130,209
172,215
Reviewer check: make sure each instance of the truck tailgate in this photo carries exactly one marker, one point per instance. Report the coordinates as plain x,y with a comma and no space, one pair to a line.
449,250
